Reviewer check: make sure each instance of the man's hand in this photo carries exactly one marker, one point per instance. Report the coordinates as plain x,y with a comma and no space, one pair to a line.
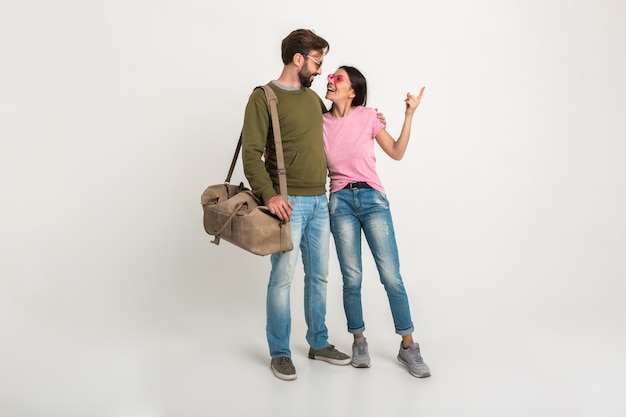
279,207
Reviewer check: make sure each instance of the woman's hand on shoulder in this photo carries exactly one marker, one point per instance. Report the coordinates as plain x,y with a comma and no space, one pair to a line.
381,117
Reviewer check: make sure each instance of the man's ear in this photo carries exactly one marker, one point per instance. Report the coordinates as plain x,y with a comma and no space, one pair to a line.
298,59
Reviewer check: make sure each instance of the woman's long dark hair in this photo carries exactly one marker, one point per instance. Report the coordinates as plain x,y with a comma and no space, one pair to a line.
359,85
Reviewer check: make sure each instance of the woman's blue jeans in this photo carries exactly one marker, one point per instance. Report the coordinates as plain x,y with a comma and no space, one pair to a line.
310,230
353,210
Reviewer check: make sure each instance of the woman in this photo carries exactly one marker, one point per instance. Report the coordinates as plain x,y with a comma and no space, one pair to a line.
358,202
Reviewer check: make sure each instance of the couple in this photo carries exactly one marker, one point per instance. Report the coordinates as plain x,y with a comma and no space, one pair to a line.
317,143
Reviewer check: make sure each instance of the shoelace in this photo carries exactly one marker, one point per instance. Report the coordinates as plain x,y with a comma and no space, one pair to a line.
283,361
417,355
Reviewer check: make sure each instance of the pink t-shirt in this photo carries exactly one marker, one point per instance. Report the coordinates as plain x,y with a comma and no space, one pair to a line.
349,146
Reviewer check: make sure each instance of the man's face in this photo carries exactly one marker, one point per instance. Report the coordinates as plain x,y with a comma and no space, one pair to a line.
305,76
311,68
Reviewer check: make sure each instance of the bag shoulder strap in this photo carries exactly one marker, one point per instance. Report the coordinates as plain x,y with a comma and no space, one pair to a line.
278,143
272,100
234,161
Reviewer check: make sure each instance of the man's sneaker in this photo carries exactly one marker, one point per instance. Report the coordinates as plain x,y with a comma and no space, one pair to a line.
360,353
412,358
330,355
283,368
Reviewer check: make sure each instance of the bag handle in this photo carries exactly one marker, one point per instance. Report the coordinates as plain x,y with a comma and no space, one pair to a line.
234,162
282,172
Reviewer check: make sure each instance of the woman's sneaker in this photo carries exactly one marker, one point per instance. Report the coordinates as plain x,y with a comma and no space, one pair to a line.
283,368
412,358
360,353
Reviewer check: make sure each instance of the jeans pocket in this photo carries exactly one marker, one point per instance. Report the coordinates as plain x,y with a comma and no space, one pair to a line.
381,199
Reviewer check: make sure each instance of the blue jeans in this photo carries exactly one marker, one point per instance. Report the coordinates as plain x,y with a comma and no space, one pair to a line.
367,209
310,230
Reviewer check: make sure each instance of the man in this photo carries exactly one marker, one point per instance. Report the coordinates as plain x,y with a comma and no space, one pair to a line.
300,111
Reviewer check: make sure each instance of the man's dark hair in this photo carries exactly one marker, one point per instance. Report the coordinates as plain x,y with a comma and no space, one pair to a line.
302,41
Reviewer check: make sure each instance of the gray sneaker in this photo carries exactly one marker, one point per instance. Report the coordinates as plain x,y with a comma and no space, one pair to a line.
412,358
283,368
329,354
360,353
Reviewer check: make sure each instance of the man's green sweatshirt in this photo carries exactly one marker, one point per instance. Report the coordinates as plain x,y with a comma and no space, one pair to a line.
300,113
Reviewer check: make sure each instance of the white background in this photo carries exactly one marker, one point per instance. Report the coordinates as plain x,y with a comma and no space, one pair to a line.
509,208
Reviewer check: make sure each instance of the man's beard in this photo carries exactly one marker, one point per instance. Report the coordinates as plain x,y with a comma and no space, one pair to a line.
305,78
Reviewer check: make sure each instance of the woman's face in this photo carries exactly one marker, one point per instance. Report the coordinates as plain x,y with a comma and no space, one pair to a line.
339,86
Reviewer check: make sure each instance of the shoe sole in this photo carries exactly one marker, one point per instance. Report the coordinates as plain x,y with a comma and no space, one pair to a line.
284,377
403,362
360,365
339,362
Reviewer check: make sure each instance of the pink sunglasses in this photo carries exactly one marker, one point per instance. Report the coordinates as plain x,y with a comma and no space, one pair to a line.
338,78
